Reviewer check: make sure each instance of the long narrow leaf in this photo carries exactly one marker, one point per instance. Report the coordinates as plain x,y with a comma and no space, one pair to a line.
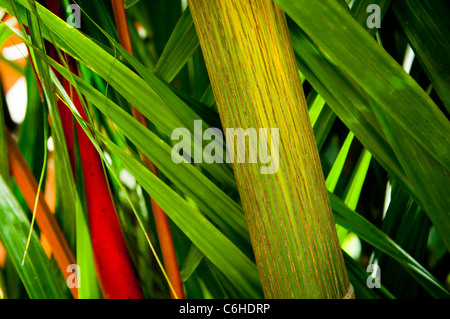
216,246
40,279
364,229
377,73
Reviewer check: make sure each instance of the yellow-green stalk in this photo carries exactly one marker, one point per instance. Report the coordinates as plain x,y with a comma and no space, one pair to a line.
256,84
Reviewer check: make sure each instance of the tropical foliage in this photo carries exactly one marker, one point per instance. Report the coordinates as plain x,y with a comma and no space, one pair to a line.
378,103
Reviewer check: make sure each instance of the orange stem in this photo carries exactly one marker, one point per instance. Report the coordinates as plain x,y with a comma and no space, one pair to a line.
161,219
2,256
44,218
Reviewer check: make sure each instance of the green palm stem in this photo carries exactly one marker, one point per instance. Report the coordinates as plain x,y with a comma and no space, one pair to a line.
256,84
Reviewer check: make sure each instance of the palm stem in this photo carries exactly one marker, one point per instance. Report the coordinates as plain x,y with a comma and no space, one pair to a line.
256,84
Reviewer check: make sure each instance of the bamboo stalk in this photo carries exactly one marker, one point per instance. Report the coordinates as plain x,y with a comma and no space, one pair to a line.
44,218
161,219
256,84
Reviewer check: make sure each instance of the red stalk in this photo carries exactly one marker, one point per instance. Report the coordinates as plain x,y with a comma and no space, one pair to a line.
117,276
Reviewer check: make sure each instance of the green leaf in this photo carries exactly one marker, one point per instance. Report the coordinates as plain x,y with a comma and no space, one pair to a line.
155,100
376,71
196,227
213,244
65,193
40,279
338,165
31,139
429,179
409,120
322,117
191,263
427,27
89,287
181,45
130,3
358,278
211,199
5,32
409,226
159,19
365,230
357,180
335,174
315,107
354,188
344,98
